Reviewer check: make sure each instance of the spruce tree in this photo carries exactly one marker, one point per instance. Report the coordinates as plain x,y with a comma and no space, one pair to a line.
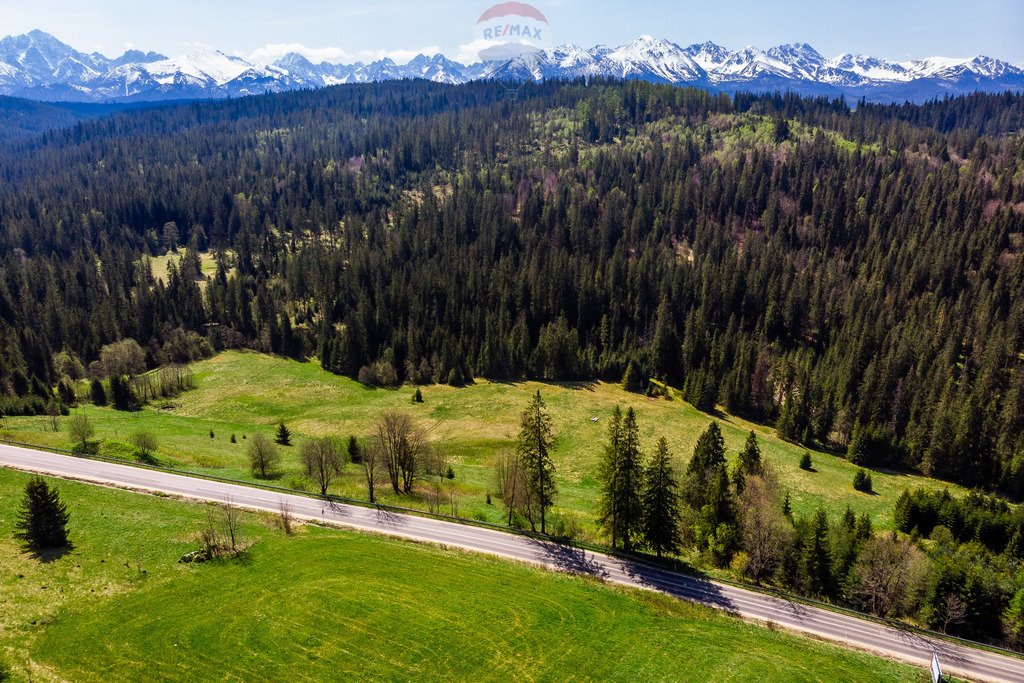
607,508
43,518
661,503
536,438
816,559
708,456
122,395
284,435
750,456
98,393
622,480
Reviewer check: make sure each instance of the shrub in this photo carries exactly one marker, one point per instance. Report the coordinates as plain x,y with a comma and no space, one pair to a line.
418,396
862,481
145,445
805,461
81,429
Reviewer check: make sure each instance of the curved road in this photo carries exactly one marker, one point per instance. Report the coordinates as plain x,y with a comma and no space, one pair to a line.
841,628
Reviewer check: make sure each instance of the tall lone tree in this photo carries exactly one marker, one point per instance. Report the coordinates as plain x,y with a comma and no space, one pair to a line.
43,518
263,456
622,481
536,438
284,435
661,515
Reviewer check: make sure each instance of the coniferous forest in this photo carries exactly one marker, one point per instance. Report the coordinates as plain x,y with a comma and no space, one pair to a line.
850,274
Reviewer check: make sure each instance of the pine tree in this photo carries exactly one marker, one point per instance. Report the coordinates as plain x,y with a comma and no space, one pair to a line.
666,350
536,438
662,516
816,559
122,395
43,518
98,393
621,480
607,508
750,456
805,461
284,435
708,456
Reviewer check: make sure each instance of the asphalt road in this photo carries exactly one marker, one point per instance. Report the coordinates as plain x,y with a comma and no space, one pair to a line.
844,629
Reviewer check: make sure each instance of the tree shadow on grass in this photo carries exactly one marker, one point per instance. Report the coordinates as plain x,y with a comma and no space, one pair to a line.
48,555
574,385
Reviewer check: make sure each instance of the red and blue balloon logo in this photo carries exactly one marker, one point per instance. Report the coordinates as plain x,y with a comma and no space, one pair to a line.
511,29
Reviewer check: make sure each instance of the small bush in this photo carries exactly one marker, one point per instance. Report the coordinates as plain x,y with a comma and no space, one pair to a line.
418,396
450,474
805,461
862,481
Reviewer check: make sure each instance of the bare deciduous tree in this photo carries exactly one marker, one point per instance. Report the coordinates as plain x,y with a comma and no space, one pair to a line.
323,461
952,611
263,456
765,530
888,574
402,446
435,467
232,518
372,462
286,517
510,482
53,410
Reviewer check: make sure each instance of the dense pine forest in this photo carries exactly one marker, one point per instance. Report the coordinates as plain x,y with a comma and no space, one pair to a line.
849,274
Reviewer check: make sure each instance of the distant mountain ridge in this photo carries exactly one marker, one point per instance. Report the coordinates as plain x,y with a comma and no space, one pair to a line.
39,66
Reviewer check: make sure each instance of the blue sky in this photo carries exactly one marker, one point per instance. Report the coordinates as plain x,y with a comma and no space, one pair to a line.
342,30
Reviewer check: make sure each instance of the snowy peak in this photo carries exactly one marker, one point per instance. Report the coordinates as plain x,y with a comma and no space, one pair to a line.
653,58
204,66
709,56
802,59
38,65
870,68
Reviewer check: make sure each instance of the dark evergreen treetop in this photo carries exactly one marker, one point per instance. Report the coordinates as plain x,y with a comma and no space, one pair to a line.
862,269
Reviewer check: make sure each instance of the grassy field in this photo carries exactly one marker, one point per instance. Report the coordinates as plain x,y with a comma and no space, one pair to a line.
160,264
331,605
239,393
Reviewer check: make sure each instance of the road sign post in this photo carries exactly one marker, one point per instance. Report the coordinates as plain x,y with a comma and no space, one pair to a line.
936,669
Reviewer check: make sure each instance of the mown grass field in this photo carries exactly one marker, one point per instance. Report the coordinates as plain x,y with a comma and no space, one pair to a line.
240,393
332,605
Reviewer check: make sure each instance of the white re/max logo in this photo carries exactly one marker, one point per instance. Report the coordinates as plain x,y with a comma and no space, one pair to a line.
510,30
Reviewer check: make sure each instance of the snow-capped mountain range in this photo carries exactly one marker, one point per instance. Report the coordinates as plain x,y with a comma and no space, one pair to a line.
39,66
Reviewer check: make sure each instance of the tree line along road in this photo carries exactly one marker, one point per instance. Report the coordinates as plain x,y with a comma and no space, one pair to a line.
910,646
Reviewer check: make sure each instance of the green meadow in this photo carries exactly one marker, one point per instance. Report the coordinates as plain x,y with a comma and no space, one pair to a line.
242,393
327,604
